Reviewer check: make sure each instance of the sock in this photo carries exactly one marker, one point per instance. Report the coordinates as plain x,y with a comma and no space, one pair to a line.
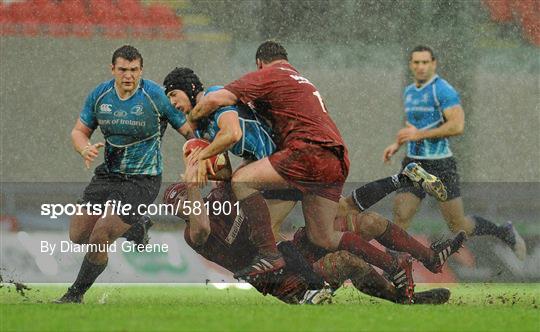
395,238
486,227
372,192
296,263
133,232
358,246
259,226
372,283
86,277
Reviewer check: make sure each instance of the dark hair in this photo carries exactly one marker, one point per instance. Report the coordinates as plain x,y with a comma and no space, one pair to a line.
270,51
422,48
127,52
184,79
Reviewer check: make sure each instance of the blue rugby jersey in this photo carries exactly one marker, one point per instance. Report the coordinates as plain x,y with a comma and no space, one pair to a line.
132,127
424,108
256,142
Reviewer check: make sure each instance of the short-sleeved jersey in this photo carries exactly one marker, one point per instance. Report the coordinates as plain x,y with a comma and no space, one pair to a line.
256,142
290,102
132,127
228,243
424,108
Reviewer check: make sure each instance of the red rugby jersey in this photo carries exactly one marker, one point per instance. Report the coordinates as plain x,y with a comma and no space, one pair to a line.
291,103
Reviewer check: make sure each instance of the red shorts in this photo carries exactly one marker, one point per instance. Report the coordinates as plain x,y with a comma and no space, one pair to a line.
313,168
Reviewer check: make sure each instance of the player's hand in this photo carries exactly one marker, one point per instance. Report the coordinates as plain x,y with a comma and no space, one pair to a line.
204,167
90,152
192,166
390,151
409,133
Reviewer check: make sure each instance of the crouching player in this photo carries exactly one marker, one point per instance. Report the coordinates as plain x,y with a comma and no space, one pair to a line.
224,239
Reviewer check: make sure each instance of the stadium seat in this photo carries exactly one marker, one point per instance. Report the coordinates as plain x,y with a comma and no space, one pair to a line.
500,10
106,16
166,24
74,14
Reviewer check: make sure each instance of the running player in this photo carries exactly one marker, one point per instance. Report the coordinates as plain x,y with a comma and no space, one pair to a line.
132,114
434,114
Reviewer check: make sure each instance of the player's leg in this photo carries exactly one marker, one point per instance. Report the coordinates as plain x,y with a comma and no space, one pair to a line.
319,213
372,225
412,175
406,205
279,210
247,183
105,232
454,216
81,227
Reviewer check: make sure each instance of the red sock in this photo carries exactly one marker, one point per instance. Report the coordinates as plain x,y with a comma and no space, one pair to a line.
259,225
358,246
396,238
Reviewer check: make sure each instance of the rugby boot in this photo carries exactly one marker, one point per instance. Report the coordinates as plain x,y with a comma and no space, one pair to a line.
261,265
515,241
402,277
138,233
442,250
432,296
430,183
70,297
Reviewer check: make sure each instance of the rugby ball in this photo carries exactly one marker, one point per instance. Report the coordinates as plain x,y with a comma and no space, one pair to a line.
218,161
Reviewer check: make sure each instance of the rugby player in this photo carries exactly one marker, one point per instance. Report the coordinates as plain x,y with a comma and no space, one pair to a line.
434,114
311,156
224,239
132,114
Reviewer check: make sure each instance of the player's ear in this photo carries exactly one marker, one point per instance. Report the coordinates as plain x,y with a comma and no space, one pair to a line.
259,63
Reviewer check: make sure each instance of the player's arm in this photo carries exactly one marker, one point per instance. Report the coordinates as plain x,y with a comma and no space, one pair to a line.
391,149
229,133
212,102
186,130
453,126
80,139
199,223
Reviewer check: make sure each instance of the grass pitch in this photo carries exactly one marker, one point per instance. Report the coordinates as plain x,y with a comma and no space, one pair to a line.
473,307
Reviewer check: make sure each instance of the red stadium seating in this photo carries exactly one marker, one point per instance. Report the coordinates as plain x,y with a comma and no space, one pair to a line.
526,12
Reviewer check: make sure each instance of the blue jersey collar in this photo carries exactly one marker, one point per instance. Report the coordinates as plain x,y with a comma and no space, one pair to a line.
426,84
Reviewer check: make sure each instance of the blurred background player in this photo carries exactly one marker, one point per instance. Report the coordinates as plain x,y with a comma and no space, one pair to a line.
434,113
132,114
224,239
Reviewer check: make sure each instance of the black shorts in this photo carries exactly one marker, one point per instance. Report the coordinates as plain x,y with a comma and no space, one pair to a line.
127,189
445,169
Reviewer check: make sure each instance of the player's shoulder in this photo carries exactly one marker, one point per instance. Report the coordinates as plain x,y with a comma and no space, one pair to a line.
442,84
103,88
408,88
213,88
152,88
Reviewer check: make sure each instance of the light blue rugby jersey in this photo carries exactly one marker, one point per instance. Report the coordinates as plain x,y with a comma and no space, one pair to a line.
256,142
424,109
132,127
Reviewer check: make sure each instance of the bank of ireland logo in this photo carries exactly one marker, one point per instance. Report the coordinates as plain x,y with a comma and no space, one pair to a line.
105,108
425,98
120,113
136,110
408,99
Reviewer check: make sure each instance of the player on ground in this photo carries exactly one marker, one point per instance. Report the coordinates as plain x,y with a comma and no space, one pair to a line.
223,238
311,156
434,114
132,114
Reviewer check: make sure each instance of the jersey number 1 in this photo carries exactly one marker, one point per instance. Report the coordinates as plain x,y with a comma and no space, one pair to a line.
318,95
